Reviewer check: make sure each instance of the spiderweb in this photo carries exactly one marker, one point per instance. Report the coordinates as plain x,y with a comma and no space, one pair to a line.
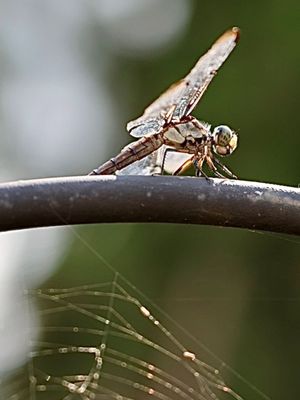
108,341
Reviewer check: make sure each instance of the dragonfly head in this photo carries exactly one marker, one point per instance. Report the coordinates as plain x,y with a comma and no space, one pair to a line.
224,140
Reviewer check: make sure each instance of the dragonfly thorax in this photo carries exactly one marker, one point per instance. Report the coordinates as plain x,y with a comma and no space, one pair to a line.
192,131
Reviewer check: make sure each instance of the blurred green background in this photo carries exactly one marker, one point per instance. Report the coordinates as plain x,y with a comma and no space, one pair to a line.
236,291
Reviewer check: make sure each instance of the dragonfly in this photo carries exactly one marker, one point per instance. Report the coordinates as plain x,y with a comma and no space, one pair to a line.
168,128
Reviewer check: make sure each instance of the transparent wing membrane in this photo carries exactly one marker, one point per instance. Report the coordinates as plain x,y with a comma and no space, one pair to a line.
149,165
152,164
182,97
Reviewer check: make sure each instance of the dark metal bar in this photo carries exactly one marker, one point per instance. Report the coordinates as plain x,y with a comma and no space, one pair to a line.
188,200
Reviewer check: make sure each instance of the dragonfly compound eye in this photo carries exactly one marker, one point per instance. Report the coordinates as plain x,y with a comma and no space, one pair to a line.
225,140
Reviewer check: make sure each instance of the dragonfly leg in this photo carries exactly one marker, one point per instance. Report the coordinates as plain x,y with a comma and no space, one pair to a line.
198,168
225,169
212,166
183,167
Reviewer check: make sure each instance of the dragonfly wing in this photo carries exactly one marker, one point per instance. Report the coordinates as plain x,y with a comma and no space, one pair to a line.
182,97
197,81
145,126
148,165
174,160
152,164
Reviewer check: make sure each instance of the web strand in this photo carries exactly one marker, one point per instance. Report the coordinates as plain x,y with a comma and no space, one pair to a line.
110,342
103,370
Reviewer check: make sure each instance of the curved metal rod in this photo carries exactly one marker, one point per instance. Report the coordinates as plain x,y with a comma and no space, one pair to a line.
187,200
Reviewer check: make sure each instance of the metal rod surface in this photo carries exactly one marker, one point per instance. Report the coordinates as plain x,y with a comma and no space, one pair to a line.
164,199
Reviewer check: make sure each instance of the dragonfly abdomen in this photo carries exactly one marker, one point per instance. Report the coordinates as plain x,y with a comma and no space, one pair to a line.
133,152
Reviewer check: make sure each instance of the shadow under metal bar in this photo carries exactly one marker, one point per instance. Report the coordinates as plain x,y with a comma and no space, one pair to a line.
164,199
